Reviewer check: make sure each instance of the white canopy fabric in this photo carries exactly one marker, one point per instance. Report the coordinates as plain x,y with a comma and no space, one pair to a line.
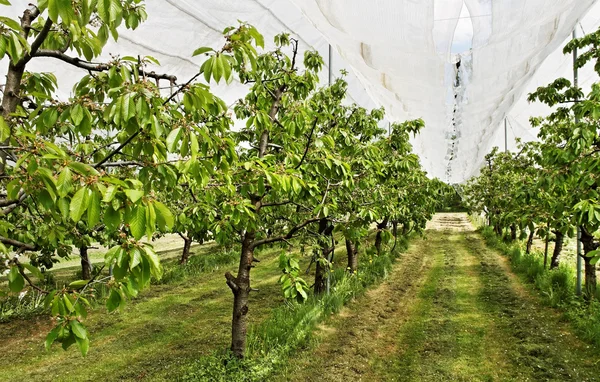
400,55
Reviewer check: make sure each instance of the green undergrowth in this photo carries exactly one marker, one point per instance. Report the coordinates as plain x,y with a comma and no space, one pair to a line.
555,286
290,326
203,259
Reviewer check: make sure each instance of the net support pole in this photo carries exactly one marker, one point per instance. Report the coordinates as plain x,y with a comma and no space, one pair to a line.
330,68
576,84
505,136
330,78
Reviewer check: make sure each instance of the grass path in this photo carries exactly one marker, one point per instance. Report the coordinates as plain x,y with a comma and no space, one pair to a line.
450,311
165,327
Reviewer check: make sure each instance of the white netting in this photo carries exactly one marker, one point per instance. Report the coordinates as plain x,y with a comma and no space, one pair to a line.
399,54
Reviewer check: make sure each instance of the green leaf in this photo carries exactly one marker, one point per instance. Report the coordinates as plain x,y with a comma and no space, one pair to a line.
4,130
79,204
78,329
83,344
164,218
64,185
68,303
137,222
93,211
83,169
134,195
135,258
16,282
112,218
53,9
173,138
204,49
114,301
51,337
34,271
77,114
78,284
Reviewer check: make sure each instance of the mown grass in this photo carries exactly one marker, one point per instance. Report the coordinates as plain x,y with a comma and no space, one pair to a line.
178,327
444,339
556,287
168,325
272,343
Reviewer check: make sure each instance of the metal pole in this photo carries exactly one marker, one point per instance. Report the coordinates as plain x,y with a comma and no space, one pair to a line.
576,84
505,136
330,68
329,256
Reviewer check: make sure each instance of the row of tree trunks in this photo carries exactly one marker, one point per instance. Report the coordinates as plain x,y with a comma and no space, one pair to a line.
558,245
185,254
588,243
513,232
378,239
325,232
530,241
86,265
352,256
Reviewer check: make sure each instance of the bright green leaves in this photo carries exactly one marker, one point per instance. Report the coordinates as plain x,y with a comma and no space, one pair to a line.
64,184
164,218
68,333
70,308
293,286
4,130
79,203
62,8
16,282
202,50
218,67
137,221
133,266
110,11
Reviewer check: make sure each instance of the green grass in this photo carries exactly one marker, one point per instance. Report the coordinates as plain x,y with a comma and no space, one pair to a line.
181,324
273,343
556,287
167,326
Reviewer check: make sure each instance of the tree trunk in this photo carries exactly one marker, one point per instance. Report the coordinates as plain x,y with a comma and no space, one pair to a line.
513,232
558,245
546,248
395,233
321,270
240,286
14,76
352,256
378,238
86,266
185,255
587,241
530,241
497,229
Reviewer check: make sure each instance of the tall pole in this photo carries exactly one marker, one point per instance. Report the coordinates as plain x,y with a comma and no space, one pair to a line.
329,256
576,84
330,68
505,135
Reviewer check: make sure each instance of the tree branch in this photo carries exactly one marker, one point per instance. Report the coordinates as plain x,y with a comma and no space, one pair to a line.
231,282
307,144
287,236
120,147
35,45
95,67
276,204
18,244
26,277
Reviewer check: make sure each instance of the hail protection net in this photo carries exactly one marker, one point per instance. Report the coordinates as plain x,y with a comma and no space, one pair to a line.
461,65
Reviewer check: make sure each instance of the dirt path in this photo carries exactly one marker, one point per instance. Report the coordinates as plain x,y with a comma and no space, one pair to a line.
450,311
